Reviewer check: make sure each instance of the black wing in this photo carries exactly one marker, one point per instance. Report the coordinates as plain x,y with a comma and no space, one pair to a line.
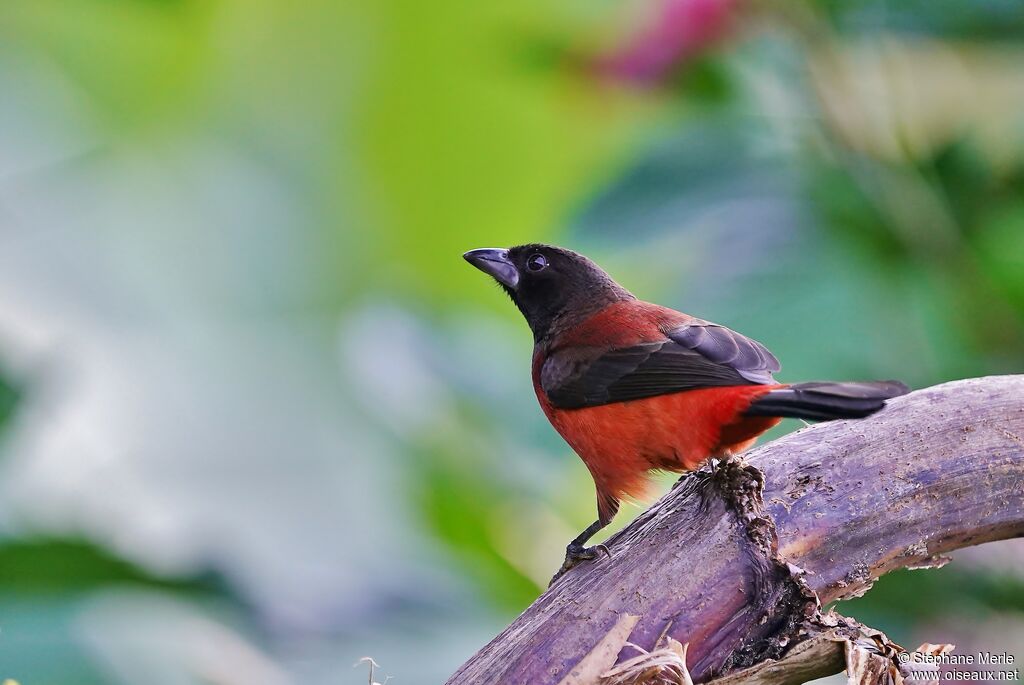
695,355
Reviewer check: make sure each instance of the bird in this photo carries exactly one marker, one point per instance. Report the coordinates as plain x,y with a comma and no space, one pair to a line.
635,387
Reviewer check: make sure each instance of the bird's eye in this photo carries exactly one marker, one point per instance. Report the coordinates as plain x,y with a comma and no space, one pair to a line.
536,262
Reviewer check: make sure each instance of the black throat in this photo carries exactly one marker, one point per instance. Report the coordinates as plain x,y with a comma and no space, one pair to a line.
552,313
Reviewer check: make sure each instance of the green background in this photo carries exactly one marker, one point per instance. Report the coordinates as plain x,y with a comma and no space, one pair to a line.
257,417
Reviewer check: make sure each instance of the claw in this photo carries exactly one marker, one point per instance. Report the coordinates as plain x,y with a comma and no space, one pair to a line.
574,554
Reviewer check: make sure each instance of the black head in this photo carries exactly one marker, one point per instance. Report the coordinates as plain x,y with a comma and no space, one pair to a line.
553,287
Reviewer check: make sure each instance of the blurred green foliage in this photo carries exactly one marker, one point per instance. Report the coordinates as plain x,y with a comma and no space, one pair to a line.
58,566
259,402
903,600
8,401
43,585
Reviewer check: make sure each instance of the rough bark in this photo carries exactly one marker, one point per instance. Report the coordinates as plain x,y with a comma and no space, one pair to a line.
733,562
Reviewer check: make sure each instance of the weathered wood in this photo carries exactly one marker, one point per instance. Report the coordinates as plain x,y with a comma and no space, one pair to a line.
714,563
940,469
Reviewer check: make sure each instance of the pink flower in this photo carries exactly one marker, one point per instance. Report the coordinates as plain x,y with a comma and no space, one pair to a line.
680,30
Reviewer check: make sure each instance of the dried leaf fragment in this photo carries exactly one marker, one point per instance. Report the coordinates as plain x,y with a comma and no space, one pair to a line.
599,659
665,665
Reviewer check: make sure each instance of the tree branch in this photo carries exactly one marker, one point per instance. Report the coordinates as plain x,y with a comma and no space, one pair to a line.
733,561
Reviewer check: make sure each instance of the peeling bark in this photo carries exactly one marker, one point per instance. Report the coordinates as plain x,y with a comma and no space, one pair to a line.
733,562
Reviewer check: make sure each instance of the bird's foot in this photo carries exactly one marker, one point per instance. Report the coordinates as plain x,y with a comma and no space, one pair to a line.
574,554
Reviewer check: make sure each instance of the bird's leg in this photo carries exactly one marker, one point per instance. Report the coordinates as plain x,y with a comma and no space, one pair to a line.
575,549
575,552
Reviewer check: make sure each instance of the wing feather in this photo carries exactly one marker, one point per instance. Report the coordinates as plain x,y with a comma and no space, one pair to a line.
722,345
695,355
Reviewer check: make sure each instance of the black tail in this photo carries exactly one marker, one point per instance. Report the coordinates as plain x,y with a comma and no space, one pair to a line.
826,401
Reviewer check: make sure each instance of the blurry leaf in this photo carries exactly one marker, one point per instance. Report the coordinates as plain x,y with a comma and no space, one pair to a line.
138,61
967,180
897,99
706,81
1000,244
42,585
457,501
9,396
466,143
903,599
700,165
846,207
66,565
992,19
917,220
979,19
